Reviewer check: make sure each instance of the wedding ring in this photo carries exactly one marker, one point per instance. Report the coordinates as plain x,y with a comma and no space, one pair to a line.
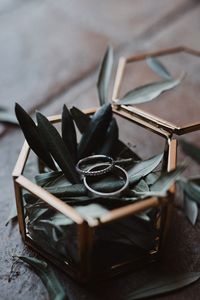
108,165
116,169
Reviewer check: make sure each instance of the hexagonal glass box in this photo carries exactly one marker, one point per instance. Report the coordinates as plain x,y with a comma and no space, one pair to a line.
87,248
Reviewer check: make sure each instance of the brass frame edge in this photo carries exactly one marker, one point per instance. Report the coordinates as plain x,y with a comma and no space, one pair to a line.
140,113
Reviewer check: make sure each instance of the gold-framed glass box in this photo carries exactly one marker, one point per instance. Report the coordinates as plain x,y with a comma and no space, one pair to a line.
91,248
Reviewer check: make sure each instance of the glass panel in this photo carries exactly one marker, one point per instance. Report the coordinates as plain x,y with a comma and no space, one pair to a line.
126,241
52,231
138,73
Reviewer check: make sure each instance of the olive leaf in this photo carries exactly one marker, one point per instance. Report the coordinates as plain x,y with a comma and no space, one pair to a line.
7,117
95,132
156,65
135,173
148,92
190,210
191,189
165,181
81,119
104,78
191,150
47,276
68,190
141,186
43,179
57,148
69,133
143,168
161,282
33,137
151,178
111,139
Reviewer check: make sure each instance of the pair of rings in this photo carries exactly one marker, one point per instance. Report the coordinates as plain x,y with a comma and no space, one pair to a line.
100,165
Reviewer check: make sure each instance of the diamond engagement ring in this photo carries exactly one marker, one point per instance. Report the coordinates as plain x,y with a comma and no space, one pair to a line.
116,169
96,160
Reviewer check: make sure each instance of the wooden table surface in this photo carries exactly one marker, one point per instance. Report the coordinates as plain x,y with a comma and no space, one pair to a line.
49,55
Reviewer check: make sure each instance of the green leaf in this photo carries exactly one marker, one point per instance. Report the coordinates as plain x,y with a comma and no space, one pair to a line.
148,92
105,76
143,168
165,181
158,68
141,186
191,189
151,178
47,276
191,150
33,138
96,131
6,117
108,184
78,190
44,179
191,210
162,282
81,119
69,133
68,190
57,148
111,139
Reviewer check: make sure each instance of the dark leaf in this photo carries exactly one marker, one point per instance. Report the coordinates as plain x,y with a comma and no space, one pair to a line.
96,131
68,190
6,117
141,186
32,136
148,92
105,76
191,189
143,168
57,148
47,276
81,119
191,210
111,139
69,133
191,150
158,68
44,179
162,282
108,184
151,178
165,181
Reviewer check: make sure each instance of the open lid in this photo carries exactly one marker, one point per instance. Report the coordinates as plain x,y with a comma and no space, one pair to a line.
142,113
